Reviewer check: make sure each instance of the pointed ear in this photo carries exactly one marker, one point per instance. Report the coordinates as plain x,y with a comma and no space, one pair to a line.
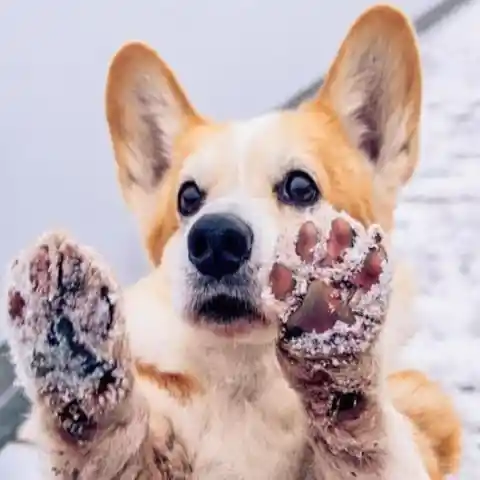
374,86
146,112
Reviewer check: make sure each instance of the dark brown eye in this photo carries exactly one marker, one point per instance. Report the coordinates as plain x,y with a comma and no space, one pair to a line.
297,189
190,199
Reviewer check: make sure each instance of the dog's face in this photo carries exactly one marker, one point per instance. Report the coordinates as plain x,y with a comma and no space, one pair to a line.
235,191
212,198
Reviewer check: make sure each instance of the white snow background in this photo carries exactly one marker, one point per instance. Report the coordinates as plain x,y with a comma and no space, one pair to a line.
438,227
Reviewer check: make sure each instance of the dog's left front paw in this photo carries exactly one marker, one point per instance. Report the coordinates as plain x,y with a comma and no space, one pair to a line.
331,296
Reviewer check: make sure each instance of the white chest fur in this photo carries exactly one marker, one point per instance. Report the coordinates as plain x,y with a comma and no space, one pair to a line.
248,424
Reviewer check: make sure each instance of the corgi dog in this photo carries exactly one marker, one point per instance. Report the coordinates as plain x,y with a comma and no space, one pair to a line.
260,346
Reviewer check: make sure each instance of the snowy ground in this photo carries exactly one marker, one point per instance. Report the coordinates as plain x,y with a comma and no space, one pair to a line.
438,225
439,221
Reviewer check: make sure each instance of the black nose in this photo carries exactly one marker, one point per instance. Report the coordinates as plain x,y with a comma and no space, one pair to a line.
219,244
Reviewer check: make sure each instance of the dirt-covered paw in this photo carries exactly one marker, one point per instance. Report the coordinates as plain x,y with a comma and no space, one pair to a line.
67,335
330,287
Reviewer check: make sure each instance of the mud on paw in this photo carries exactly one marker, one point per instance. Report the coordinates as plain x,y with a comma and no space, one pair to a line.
67,335
330,286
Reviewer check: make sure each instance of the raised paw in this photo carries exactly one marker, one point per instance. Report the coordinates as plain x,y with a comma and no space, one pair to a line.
67,334
332,292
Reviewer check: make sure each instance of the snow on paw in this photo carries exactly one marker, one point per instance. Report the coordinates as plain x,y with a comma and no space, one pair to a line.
67,334
330,286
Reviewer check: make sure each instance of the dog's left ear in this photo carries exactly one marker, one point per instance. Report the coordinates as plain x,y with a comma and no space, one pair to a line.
374,87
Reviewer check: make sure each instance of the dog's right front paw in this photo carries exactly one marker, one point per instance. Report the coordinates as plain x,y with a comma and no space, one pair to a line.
67,334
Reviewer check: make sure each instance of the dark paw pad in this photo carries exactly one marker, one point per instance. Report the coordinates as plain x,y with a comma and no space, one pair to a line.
334,300
67,332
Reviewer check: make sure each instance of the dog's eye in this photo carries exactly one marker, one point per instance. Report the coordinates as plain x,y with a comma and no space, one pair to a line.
298,189
190,199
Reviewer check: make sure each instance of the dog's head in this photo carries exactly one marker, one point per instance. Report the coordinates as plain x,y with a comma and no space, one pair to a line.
211,197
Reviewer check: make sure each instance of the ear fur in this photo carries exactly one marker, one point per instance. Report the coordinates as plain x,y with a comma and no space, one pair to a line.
147,112
374,87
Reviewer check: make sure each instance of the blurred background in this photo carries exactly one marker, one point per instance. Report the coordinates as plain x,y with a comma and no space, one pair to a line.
236,59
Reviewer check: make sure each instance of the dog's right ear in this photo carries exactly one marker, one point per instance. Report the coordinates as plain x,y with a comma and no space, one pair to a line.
146,110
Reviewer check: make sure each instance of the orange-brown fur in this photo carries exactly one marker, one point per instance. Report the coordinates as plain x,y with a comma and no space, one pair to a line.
435,419
180,386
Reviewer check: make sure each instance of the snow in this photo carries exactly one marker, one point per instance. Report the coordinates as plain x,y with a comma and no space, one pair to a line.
439,222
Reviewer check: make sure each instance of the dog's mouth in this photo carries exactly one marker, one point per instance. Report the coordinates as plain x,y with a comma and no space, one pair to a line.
228,316
229,307
226,309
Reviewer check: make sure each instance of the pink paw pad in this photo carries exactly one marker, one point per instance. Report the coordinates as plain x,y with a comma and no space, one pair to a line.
334,300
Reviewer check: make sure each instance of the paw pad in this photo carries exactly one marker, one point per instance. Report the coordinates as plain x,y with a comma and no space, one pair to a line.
331,293
67,332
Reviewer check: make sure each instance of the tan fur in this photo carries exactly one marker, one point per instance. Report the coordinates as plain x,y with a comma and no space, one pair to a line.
434,417
226,399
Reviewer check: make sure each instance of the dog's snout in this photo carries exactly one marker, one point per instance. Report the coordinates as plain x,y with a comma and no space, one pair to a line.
219,244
